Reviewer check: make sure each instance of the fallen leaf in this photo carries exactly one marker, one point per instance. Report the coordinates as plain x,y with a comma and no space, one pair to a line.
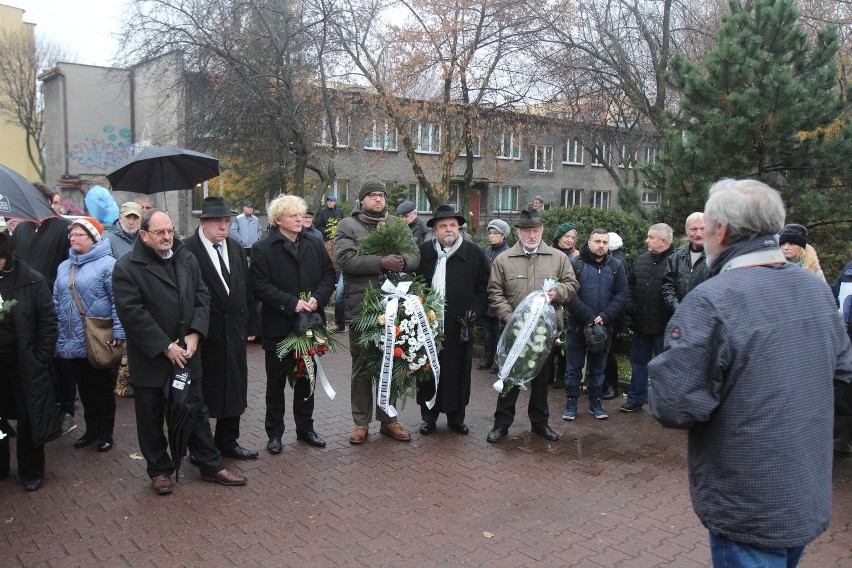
135,456
487,534
77,482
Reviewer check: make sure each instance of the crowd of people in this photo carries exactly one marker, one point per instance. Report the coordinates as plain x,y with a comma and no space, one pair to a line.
741,305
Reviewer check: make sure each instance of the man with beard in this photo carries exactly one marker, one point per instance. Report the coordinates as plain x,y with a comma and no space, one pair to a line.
687,267
224,270
514,274
360,272
164,307
458,271
124,230
600,300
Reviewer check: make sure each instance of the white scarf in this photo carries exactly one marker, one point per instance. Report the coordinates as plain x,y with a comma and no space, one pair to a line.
439,279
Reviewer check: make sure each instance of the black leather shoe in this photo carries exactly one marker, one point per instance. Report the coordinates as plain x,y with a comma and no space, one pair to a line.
312,438
84,440
458,427
273,446
546,432
193,460
105,443
427,428
239,453
484,364
610,393
32,484
496,434
494,370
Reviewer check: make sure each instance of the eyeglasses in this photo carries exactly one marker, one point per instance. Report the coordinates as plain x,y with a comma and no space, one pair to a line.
376,194
77,235
162,232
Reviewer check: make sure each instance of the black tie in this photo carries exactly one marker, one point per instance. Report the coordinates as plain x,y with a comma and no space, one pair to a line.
226,276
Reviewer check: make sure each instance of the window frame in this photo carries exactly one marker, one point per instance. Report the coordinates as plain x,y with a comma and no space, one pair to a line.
605,152
435,138
534,158
646,201
497,198
599,199
514,147
385,125
325,135
577,154
574,191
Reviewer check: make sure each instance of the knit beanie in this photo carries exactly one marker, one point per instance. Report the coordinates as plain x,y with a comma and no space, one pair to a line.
562,229
615,241
91,225
793,233
500,225
371,183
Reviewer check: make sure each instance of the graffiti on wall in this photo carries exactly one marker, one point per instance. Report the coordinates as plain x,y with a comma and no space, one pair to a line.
100,153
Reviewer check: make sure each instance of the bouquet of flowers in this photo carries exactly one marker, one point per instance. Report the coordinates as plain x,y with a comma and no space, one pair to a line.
300,351
5,307
399,326
527,339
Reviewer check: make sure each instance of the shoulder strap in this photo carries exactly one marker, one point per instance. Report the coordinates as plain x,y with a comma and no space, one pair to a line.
74,291
578,266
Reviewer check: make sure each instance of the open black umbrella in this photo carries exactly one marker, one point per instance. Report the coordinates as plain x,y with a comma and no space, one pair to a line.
19,199
163,168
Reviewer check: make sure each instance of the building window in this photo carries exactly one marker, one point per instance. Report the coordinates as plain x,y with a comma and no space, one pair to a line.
541,158
422,202
380,135
510,147
428,138
505,199
600,155
650,197
340,189
651,154
573,152
626,157
477,148
599,200
341,131
572,197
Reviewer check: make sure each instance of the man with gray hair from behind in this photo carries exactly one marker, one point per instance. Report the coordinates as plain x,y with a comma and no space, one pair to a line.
760,459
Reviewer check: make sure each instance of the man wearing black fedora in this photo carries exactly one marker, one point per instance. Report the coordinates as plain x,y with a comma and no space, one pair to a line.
514,274
458,271
224,269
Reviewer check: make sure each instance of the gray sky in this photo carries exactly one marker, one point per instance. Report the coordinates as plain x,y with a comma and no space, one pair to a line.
84,28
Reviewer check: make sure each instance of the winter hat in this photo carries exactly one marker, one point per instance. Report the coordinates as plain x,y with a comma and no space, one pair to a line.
562,229
405,207
371,183
615,241
91,225
500,225
793,233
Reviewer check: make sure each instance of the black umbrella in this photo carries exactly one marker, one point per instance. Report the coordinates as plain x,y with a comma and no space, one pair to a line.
19,199
163,168
181,411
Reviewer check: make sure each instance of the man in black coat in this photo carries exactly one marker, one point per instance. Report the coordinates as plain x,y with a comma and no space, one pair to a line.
164,307
285,264
648,311
458,270
687,267
224,270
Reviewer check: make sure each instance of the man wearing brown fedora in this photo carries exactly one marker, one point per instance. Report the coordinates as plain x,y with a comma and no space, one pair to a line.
514,274
224,270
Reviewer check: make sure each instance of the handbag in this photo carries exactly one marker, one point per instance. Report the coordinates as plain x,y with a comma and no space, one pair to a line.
596,338
98,335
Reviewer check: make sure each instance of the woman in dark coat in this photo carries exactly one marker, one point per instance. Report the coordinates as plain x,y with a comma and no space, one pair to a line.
27,342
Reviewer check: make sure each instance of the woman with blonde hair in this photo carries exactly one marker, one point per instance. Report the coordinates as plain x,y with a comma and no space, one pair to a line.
793,240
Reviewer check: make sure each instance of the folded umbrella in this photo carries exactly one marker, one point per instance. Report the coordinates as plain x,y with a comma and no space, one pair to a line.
163,168
19,199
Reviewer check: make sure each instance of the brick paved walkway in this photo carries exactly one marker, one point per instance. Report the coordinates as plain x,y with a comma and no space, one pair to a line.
610,493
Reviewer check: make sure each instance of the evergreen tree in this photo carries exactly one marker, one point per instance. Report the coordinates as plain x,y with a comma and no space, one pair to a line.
767,105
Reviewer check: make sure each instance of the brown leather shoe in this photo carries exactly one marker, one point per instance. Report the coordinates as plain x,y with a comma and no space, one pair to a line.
359,435
395,431
162,484
224,477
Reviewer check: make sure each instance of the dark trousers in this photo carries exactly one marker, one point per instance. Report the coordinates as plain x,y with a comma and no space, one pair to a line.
227,432
491,335
303,410
96,395
30,457
537,409
64,386
152,440
431,415
611,372
642,349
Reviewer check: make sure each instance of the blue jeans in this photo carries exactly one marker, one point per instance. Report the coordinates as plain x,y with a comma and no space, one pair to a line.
339,310
642,348
727,553
575,357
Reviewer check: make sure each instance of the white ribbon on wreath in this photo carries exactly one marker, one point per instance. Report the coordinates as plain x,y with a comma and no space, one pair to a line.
314,369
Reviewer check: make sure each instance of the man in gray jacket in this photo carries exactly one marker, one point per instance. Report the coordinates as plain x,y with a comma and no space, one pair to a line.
124,230
760,458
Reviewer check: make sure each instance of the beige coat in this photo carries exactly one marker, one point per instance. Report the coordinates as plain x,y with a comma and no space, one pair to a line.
513,277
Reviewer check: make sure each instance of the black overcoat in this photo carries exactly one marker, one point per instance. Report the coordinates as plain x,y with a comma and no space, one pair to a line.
34,319
223,354
151,306
278,276
466,286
